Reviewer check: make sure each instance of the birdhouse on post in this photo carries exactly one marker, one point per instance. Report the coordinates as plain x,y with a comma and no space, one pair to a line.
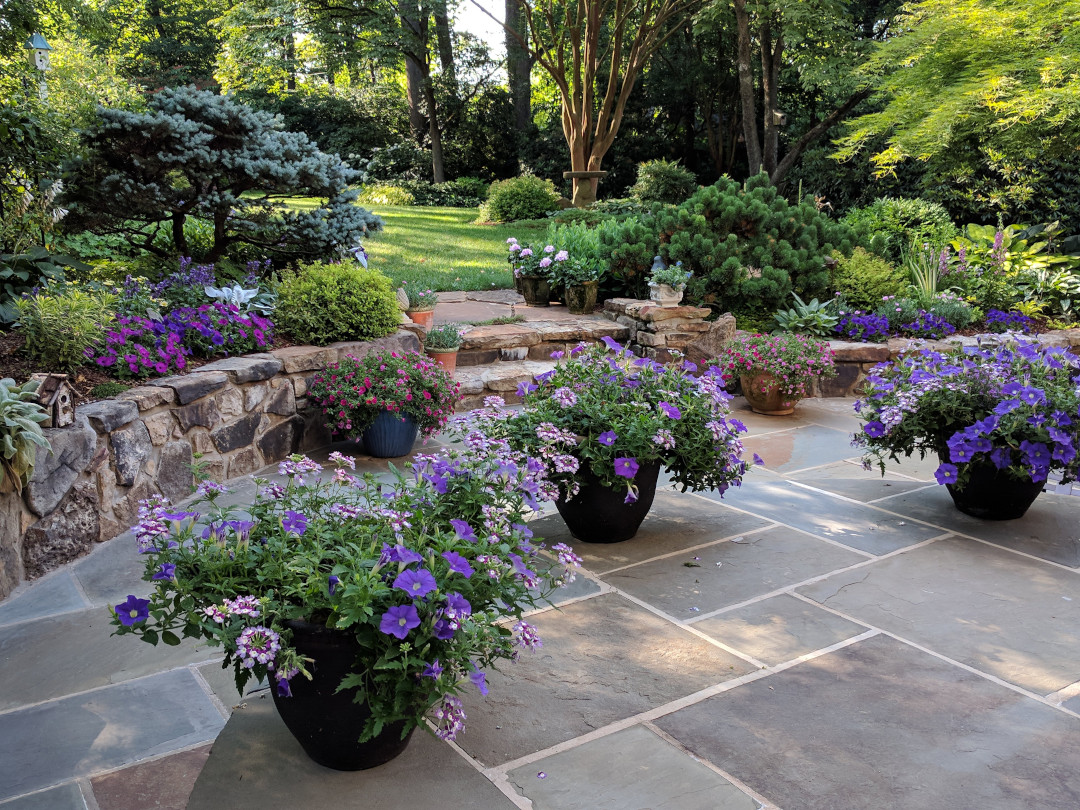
39,52
57,397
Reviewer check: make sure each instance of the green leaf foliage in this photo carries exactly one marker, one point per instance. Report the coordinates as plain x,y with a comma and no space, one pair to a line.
863,279
749,248
895,223
324,303
62,321
524,197
20,431
663,181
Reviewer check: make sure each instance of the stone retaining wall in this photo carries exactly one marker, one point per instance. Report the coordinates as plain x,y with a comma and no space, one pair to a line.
239,413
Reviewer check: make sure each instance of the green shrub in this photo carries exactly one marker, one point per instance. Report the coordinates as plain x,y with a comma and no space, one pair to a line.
899,222
628,246
107,390
324,303
663,181
574,216
62,321
864,279
621,207
385,194
749,248
525,197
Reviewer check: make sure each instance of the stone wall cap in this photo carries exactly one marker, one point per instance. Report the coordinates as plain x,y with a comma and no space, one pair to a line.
149,396
849,351
197,384
109,414
249,368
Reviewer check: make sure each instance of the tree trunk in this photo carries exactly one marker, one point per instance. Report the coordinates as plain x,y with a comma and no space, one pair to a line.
179,239
412,31
518,66
815,132
438,170
445,38
745,63
771,53
290,60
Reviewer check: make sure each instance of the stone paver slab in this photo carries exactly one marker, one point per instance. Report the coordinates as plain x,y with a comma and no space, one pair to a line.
1050,529
63,797
164,784
50,596
688,584
831,412
852,481
256,764
112,570
778,629
86,734
860,527
998,612
649,774
676,521
603,659
881,725
790,450
75,652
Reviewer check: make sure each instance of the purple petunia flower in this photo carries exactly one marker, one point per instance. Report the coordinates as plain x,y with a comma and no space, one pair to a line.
874,429
1007,406
400,554
626,467
295,522
739,426
463,530
332,583
399,620
758,460
1033,396
432,670
458,564
443,630
479,679
946,474
1001,458
133,610
670,410
607,438
525,387
1036,454
416,583
165,571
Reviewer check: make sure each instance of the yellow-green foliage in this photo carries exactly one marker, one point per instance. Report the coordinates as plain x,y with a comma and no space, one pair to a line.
748,247
864,279
524,197
20,431
324,303
62,321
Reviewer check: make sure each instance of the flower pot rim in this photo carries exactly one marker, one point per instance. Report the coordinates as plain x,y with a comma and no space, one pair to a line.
421,309
454,350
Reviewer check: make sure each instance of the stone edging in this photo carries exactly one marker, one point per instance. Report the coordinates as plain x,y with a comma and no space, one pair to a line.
240,413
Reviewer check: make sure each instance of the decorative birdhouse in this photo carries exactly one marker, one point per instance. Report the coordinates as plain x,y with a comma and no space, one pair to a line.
39,52
57,397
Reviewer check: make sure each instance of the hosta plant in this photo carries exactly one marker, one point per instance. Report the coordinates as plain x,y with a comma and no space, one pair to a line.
20,432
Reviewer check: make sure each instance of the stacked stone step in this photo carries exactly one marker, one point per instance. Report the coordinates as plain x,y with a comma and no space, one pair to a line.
667,333
534,340
497,379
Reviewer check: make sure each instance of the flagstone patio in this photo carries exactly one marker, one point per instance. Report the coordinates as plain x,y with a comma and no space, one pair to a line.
821,637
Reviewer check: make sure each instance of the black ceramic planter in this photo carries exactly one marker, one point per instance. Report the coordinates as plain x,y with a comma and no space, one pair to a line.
390,435
991,494
598,514
328,723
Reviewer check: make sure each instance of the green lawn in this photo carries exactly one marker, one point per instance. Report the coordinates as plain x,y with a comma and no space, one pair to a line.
441,247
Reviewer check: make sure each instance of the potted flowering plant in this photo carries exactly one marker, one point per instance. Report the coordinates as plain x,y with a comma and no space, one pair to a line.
365,606
531,266
1000,417
603,424
422,302
385,398
667,282
775,371
441,344
579,277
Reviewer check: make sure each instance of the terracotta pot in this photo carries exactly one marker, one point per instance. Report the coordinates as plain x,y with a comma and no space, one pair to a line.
324,721
447,358
537,291
665,295
763,393
992,494
599,514
422,317
581,298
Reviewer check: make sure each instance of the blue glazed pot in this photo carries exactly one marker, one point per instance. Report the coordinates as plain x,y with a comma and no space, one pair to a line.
390,435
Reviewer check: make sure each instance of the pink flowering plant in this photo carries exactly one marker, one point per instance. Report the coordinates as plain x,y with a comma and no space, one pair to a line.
794,361
530,260
1012,406
608,412
355,390
430,573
